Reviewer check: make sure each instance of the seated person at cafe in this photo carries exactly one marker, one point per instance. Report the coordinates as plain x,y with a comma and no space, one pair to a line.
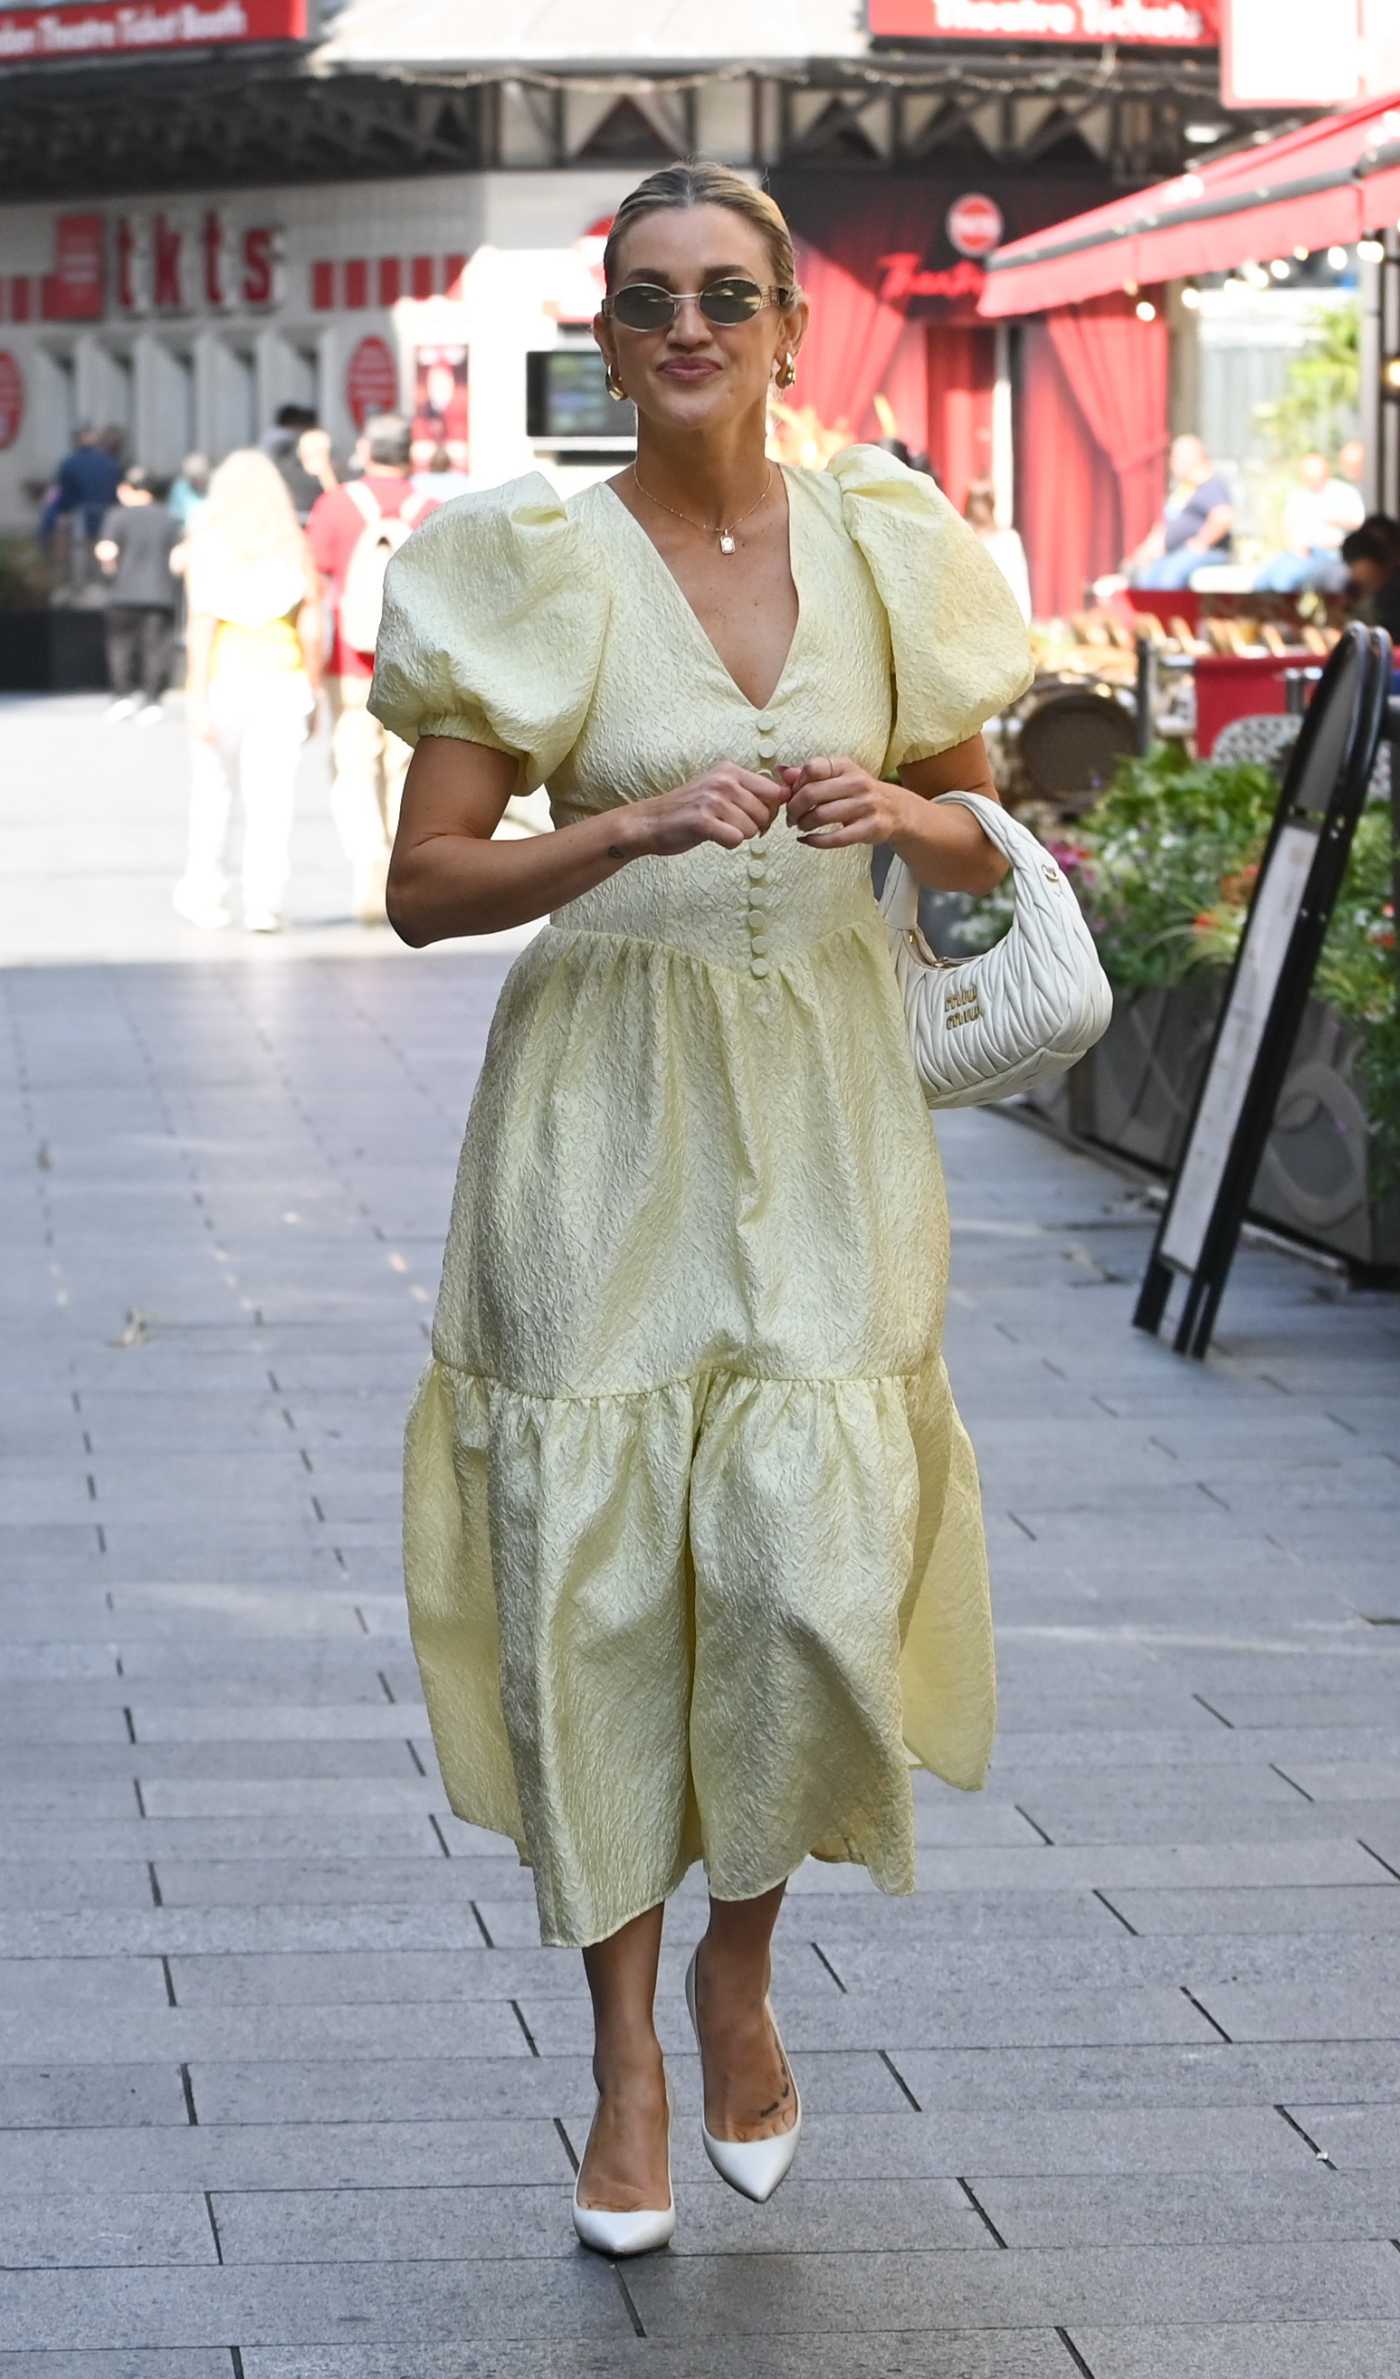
1196,527
1321,510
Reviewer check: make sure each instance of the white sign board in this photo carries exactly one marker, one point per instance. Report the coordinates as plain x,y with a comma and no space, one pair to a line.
1271,922
1308,53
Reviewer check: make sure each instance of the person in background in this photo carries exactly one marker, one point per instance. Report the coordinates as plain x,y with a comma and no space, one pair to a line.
1002,543
315,459
190,490
138,537
1351,466
83,493
254,647
1372,558
290,424
437,476
1321,510
353,531
1197,525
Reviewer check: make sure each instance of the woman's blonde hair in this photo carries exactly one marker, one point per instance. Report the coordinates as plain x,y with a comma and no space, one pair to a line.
697,184
249,515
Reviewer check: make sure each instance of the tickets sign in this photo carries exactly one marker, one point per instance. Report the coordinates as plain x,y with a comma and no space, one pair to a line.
1145,24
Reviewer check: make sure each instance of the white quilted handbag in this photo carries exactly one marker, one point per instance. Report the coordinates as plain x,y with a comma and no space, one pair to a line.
1016,1014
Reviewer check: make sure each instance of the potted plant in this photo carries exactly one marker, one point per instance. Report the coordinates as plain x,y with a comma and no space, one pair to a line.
1163,869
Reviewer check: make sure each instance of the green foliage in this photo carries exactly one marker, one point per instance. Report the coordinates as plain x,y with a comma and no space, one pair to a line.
1321,396
1163,868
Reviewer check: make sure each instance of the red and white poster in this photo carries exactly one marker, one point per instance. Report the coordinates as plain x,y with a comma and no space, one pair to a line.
1146,24
440,402
76,289
11,399
371,381
116,29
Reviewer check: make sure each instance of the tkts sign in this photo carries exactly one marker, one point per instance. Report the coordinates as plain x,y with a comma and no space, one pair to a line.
164,265
1149,24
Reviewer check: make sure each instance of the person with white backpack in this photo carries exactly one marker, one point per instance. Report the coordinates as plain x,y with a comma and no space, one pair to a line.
354,529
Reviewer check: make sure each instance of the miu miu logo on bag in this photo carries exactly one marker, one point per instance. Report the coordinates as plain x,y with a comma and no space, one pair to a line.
962,1005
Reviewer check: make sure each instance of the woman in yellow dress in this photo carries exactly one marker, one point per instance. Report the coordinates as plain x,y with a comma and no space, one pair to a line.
693,1534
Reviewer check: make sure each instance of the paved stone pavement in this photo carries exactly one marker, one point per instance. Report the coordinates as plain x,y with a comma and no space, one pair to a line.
291,2089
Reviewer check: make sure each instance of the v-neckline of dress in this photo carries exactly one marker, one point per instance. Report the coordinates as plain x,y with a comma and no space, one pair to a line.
701,631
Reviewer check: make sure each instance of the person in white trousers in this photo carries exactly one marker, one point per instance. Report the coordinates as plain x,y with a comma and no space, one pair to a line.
254,649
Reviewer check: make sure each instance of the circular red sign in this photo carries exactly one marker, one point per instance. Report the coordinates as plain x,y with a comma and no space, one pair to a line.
11,398
975,224
371,381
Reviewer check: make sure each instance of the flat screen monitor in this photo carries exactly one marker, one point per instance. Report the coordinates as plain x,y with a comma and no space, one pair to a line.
566,396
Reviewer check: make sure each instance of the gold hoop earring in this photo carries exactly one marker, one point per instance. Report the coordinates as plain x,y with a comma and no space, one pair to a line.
615,388
787,371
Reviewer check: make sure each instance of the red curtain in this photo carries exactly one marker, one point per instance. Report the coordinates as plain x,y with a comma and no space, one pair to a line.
1117,368
961,380
1069,511
850,345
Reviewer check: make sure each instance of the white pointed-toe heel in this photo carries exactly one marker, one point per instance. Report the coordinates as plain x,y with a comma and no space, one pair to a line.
752,2166
611,2233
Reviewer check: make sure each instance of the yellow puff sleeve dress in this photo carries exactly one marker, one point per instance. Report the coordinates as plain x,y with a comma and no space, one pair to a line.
693,1534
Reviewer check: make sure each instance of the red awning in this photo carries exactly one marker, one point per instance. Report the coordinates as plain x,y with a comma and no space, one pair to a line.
1327,183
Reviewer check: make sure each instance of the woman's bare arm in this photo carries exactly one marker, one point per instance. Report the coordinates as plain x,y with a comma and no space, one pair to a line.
447,877
946,847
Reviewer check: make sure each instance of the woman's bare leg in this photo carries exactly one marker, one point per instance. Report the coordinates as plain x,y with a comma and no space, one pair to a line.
749,2092
624,2165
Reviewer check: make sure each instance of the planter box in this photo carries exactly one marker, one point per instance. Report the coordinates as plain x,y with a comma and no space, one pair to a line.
57,651
1318,1176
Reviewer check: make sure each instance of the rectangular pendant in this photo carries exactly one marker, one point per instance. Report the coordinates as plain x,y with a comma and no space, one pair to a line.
726,542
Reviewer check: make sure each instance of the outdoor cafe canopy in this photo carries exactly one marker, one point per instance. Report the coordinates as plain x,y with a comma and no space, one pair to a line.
1326,184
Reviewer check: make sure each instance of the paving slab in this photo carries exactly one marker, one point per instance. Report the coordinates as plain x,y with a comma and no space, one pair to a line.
399,2304
955,2354
743,2296
1249,2350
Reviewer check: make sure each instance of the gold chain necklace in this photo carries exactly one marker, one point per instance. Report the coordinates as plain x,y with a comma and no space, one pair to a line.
725,536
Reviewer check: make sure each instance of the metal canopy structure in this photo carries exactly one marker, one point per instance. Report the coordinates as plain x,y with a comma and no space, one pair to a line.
358,106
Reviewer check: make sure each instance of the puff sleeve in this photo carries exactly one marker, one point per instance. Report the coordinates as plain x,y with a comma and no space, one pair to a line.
960,647
493,628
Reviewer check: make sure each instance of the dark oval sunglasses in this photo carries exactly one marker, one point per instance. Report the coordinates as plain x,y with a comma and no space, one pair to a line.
645,305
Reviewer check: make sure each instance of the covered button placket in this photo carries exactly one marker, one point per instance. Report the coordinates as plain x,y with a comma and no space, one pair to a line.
759,893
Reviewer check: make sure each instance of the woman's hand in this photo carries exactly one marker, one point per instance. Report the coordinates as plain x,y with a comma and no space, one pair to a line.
728,805
833,801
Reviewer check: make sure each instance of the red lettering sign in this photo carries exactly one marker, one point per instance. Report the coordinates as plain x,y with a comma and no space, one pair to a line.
211,244
262,267
904,280
113,29
1148,24
167,264
167,250
11,399
371,381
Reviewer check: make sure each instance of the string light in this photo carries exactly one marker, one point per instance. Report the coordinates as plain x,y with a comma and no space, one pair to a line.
1146,311
1371,251
1191,297
1339,259
1280,269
